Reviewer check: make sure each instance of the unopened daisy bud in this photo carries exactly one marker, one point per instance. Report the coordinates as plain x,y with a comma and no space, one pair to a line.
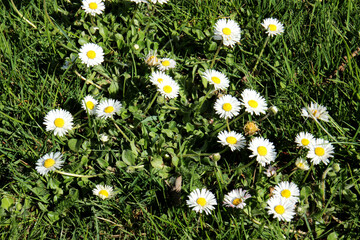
216,157
104,138
151,59
336,167
274,110
136,46
251,128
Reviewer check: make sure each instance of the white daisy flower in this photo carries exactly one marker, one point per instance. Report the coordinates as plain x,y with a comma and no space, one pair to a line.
281,208
108,108
169,88
103,137
159,1
320,151
302,164
49,162
236,198
139,1
270,171
159,77
93,7
228,31
253,102
288,190
151,59
91,54
227,106
89,104
304,139
263,150
234,140
316,111
201,200
216,78
273,26
58,120
166,64
103,191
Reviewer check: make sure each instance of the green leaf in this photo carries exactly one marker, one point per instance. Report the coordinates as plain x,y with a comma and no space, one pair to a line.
114,87
128,157
74,144
6,202
157,162
332,236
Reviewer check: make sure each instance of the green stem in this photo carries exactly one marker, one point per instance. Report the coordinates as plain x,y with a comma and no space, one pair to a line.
151,103
224,126
245,166
216,54
206,96
323,182
78,175
21,15
307,174
227,124
118,128
260,55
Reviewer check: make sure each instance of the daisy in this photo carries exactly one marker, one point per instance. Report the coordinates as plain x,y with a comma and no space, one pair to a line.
216,78
315,111
320,151
270,171
151,59
235,141
201,200
159,1
236,198
93,7
263,150
281,208
91,54
103,137
251,128
107,108
227,106
302,164
103,191
304,139
49,162
228,31
169,88
138,1
273,26
89,104
159,77
166,64
288,190
59,120
274,110
253,102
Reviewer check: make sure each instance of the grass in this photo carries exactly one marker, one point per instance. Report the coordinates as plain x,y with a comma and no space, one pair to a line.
316,59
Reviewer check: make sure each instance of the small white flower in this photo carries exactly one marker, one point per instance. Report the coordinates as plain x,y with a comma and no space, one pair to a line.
104,138
151,59
139,1
216,78
273,26
103,191
108,108
201,200
316,111
166,64
169,88
281,208
227,106
270,171
89,104
288,190
159,77
136,46
58,120
91,54
274,110
263,150
93,7
302,164
159,1
253,102
320,151
228,31
236,198
304,139
49,162
234,140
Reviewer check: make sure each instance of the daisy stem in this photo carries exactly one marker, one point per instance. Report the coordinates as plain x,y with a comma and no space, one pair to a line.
78,175
118,128
87,81
260,55
151,103
245,166
224,126
323,183
206,96
21,15
216,53
307,174
227,124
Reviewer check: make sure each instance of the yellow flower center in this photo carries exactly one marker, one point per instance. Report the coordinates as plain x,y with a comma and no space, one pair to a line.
226,31
279,209
104,193
59,122
262,151
160,80
49,162
166,63
237,201
167,89
93,5
215,80
227,107
201,201
272,27
286,193
300,165
91,54
319,151
231,140
90,105
305,141
253,103
109,109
